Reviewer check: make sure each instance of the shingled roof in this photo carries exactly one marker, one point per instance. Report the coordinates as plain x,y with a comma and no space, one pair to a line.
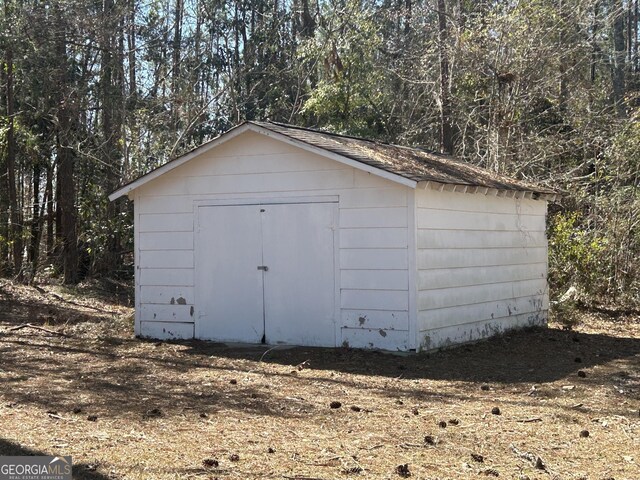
414,164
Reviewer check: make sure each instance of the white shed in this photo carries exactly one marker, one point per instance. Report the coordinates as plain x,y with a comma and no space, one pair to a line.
282,235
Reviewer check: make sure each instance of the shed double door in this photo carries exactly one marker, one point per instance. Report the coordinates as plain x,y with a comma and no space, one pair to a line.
266,274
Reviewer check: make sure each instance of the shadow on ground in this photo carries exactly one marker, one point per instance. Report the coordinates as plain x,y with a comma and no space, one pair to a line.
528,356
80,471
48,308
120,377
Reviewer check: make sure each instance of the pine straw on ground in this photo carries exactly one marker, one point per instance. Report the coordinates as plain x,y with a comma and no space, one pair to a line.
130,408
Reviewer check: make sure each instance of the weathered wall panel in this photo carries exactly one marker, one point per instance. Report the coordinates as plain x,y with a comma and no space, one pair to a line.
434,258
374,279
373,258
375,338
167,259
428,238
381,238
475,294
166,240
482,275
482,265
472,313
375,319
166,312
166,330
477,330
162,295
178,277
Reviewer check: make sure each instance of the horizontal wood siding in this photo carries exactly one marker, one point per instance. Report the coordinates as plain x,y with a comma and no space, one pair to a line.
166,258
472,313
429,279
482,265
474,294
383,238
453,239
166,330
162,295
373,258
166,313
376,319
374,299
375,338
374,279
166,240
373,237
435,258
477,330
178,277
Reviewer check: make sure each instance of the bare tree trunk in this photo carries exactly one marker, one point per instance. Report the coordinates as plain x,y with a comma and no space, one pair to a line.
131,54
50,214
15,230
407,16
619,53
197,41
308,23
562,38
446,130
630,21
4,227
594,43
177,52
636,58
112,80
66,205
4,204
34,246
66,160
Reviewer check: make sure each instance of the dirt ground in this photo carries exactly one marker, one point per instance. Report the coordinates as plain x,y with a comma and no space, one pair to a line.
569,401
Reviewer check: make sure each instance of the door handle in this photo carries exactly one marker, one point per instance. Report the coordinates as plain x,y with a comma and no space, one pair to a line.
263,268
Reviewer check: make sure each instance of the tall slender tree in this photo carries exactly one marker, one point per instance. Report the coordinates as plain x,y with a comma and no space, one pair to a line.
446,128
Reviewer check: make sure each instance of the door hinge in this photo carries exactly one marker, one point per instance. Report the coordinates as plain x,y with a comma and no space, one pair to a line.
263,268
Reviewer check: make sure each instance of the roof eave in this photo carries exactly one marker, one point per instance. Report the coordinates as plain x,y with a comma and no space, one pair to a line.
549,196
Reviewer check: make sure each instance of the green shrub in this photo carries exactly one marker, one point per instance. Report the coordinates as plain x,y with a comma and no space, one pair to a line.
575,250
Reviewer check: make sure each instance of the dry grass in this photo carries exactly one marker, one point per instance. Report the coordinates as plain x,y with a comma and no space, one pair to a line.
163,408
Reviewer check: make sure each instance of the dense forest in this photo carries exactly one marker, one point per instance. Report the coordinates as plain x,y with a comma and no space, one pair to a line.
97,92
